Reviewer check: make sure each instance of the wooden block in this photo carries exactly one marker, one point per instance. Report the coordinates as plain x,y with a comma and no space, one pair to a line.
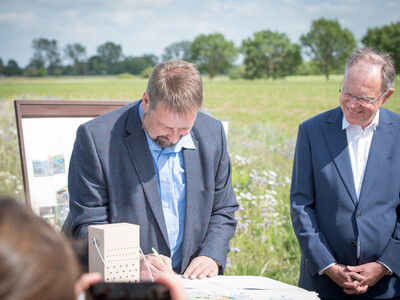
118,244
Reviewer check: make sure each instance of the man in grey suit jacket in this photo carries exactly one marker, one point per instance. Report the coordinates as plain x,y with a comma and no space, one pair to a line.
345,204
161,164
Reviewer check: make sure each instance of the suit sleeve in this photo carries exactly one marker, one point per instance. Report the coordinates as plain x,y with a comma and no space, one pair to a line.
222,224
312,241
87,186
390,256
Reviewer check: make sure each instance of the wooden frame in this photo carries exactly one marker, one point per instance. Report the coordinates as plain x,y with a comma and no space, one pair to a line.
46,133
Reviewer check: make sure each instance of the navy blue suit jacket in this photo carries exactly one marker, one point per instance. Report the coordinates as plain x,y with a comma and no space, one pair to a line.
112,179
327,217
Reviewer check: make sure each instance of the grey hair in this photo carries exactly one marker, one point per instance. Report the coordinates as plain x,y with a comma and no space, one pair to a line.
378,58
177,84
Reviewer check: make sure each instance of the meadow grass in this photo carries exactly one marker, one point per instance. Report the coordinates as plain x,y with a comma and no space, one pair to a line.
263,119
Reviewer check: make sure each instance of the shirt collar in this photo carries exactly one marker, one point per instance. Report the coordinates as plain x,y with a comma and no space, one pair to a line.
374,123
185,142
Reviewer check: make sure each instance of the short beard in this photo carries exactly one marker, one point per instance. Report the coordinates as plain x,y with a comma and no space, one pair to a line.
159,140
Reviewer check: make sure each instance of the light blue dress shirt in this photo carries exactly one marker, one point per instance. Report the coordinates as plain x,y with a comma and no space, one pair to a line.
170,170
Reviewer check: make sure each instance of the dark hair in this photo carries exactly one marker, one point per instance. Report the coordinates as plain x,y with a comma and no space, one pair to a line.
36,261
375,57
177,84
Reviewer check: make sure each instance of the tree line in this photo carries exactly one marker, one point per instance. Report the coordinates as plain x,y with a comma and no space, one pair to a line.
267,54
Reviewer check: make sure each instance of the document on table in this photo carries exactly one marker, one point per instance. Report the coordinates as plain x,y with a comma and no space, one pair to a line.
244,288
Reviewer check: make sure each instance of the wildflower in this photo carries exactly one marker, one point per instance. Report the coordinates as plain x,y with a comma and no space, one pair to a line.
241,228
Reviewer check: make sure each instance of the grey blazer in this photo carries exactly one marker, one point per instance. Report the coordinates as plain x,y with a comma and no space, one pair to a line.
112,179
326,214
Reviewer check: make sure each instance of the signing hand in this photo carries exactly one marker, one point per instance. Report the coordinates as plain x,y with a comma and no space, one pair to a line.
157,267
201,267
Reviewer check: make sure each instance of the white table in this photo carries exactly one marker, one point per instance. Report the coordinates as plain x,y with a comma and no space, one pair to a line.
244,288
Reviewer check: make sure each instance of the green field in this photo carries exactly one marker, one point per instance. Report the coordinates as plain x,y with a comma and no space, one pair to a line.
263,117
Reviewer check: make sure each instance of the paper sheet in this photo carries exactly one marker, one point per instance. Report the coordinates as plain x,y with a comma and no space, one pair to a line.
243,288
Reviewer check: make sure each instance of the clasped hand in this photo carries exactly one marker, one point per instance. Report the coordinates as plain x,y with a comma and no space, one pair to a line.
356,279
199,268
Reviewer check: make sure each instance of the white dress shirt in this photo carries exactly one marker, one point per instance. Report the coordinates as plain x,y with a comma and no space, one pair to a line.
359,143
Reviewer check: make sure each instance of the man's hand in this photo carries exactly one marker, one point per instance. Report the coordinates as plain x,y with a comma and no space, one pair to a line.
157,267
201,267
350,281
371,273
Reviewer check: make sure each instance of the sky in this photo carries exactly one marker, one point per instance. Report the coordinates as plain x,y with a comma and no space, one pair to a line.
149,26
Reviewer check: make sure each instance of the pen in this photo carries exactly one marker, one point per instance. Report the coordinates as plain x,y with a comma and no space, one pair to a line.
158,255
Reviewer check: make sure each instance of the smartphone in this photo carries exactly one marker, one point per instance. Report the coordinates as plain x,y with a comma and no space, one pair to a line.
129,291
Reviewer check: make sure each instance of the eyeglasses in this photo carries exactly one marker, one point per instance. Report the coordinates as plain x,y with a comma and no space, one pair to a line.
361,99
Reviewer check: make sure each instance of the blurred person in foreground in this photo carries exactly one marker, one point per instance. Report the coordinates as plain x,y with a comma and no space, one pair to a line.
159,163
36,262
345,204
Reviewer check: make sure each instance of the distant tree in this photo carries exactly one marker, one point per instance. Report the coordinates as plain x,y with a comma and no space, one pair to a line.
53,58
270,54
1,66
150,59
146,72
46,54
179,50
213,53
328,44
12,69
77,54
132,65
308,68
385,38
35,68
39,52
33,71
111,54
135,65
237,72
96,66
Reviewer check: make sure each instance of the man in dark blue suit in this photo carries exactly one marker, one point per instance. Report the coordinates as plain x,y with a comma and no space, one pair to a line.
345,204
161,164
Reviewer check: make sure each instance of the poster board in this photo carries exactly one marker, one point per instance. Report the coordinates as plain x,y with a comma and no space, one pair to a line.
46,134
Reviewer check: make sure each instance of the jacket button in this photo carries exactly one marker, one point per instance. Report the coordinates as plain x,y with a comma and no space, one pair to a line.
353,243
358,215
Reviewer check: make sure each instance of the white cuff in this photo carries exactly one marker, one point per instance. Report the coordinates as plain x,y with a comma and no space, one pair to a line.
389,271
321,272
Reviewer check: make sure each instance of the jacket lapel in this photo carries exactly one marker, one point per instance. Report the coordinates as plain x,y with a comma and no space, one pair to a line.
336,140
143,164
192,167
379,152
